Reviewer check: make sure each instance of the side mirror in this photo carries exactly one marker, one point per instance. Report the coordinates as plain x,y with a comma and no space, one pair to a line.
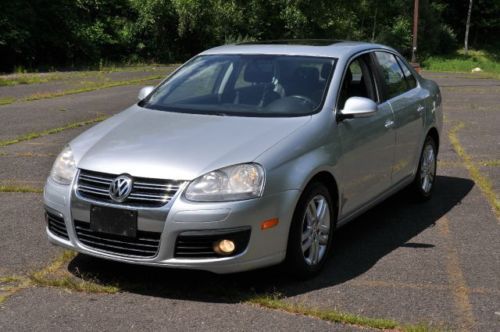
145,92
357,107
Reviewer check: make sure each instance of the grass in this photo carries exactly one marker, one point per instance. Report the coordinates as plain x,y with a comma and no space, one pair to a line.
10,279
481,163
55,275
19,283
19,189
52,276
52,131
490,163
7,100
480,180
70,283
24,79
459,62
90,87
35,77
275,303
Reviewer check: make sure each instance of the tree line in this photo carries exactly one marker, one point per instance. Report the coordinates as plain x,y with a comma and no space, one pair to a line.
39,34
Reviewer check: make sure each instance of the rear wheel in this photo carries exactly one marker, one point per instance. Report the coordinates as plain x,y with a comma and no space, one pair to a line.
311,232
423,184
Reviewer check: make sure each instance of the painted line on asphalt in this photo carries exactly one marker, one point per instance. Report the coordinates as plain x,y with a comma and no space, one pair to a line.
34,135
21,186
28,154
482,181
418,286
460,164
89,88
459,289
20,189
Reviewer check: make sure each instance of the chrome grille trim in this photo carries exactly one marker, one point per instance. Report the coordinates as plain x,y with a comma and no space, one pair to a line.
145,192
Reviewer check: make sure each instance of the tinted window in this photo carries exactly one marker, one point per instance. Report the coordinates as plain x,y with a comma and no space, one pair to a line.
410,79
246,85
358,82
391,74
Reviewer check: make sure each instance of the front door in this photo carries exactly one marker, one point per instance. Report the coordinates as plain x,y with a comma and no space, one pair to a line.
367,143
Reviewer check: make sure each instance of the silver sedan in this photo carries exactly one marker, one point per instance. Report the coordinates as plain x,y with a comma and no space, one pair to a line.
247,156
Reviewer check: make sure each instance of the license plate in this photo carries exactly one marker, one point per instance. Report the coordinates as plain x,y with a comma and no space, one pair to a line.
113,221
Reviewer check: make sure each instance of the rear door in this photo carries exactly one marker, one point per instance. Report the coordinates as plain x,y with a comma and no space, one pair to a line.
401,91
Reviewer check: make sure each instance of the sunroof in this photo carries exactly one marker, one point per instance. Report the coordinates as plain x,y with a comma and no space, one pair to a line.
308,42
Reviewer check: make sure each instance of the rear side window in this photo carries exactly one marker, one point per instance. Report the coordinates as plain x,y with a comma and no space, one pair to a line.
410,79
391,74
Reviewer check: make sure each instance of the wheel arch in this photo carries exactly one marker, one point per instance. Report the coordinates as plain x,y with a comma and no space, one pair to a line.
331,185
433,132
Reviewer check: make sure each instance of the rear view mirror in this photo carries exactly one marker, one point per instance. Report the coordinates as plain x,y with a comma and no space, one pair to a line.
357,107
144,92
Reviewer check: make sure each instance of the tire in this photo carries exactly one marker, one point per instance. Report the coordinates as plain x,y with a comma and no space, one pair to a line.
306,263
424,182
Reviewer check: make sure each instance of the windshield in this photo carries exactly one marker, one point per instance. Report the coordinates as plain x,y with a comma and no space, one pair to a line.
245,85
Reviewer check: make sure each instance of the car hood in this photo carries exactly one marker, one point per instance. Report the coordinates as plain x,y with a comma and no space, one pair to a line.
157,144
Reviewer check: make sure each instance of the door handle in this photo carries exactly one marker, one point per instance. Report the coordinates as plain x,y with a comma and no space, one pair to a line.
420,108
389,124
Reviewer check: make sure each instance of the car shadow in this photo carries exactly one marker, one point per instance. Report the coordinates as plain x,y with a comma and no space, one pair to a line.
357,247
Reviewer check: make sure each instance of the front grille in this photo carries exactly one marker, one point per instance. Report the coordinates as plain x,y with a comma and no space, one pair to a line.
56,225
145,192
199,244
144,245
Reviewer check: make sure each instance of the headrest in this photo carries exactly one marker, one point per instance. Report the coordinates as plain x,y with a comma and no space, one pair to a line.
326,70
347,79
259,72
348,76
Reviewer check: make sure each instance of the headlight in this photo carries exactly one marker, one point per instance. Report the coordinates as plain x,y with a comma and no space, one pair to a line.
64,167
238,182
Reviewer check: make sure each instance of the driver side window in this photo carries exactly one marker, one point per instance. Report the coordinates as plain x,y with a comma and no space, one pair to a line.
357,82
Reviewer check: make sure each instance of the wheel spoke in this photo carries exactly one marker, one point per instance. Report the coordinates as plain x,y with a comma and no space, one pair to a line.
311,210
324,228
425,184
307,244
314,252
306,234
430,156
320,208
323,239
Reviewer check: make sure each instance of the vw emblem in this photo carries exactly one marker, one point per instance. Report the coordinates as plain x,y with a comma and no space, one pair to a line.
120,188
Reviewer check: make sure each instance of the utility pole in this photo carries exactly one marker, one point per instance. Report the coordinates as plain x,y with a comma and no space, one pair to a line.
415,32
467,26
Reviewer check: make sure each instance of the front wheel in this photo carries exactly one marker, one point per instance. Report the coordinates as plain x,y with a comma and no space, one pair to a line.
426,172
311,232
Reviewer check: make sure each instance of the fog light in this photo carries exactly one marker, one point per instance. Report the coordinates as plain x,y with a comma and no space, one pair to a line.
224,247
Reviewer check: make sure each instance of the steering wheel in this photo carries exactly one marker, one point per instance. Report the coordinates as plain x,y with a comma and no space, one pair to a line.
304,98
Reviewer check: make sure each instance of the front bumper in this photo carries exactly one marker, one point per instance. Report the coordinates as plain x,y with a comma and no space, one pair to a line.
265,247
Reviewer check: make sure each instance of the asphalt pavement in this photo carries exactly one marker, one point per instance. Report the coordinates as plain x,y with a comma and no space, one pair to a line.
435,263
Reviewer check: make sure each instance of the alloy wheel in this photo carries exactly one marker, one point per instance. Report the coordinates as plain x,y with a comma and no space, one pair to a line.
428,168
315,230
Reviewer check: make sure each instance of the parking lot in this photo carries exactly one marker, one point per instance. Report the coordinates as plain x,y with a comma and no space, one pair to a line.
401,265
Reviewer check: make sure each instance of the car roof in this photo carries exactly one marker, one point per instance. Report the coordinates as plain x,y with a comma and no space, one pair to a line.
305,47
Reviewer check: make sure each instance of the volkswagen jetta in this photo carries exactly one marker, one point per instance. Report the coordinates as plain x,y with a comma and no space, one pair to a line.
247,156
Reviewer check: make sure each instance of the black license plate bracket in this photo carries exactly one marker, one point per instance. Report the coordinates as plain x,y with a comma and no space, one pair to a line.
113,221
